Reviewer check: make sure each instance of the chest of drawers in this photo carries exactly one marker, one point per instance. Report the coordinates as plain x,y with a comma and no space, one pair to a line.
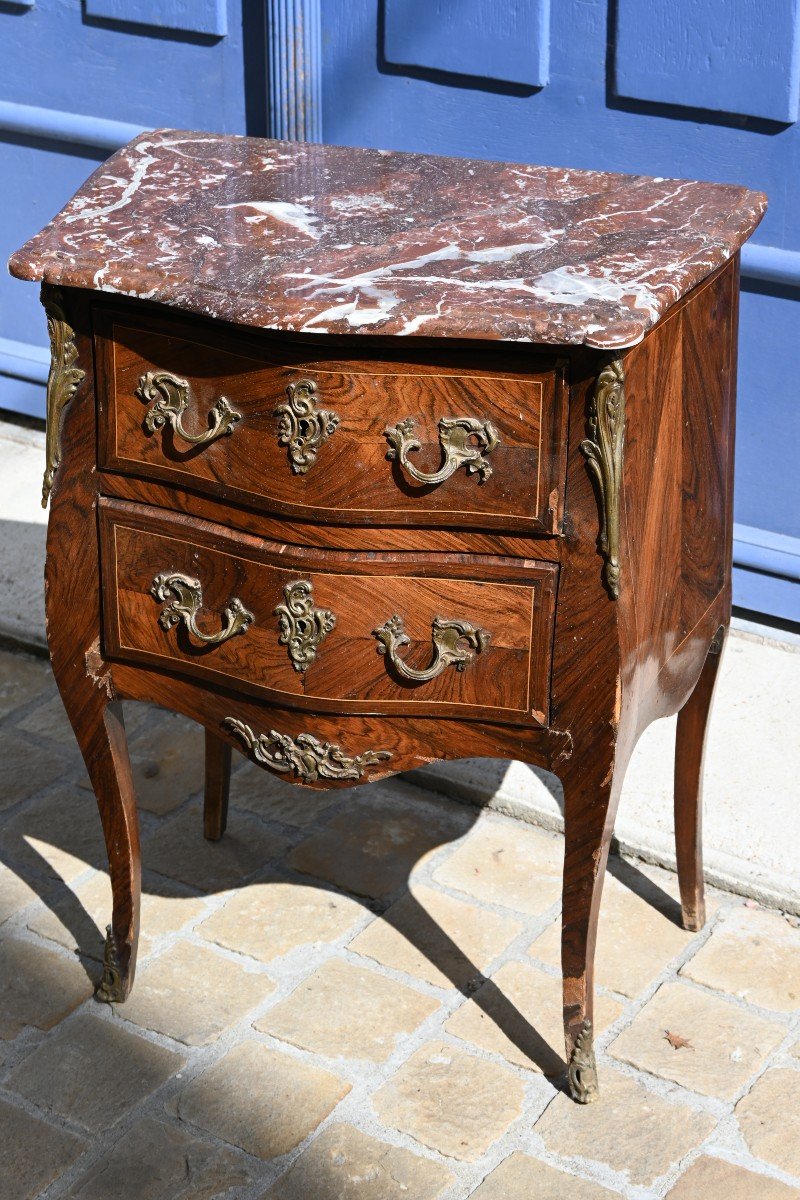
363,460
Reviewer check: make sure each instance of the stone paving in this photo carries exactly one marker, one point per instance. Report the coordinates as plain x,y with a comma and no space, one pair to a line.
355,996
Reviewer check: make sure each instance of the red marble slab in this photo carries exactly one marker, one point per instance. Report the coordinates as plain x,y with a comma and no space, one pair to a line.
327,239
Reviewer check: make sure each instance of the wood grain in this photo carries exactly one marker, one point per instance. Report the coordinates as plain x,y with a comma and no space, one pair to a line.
569,679
509,678
352,479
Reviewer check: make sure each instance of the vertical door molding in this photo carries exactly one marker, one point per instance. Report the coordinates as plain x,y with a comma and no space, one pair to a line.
295,70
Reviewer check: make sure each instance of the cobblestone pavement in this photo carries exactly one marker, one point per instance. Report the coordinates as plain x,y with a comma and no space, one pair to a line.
355,996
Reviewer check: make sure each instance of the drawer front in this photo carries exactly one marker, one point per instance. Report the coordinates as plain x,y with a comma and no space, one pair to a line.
446,442
323,629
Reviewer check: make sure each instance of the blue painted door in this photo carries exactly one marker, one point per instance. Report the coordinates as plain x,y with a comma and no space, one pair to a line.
701,88
78,79
707,89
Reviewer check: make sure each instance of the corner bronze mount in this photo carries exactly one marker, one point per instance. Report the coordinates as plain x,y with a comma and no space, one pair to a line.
109,989
447,647
464,442
604,453
62,380
168,397
302,627
582,1070
305,756
303,427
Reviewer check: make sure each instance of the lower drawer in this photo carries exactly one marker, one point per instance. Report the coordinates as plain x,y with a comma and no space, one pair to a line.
435,634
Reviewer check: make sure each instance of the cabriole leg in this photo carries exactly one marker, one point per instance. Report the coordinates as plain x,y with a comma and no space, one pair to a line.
689,751
591,792
100,731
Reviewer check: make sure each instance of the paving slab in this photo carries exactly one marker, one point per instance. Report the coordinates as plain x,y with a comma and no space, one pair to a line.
192,994
715,1179
345,1164
769,1118
92,1072
517,1015
274,916
38,986
34,1153
521,1177
347,1011
522,873
630,1129
639,931
450,1101
437,938
153,1161
261,1100
372,846
726,1043
752,954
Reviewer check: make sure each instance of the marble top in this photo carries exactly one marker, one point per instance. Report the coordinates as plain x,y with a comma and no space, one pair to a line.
327,239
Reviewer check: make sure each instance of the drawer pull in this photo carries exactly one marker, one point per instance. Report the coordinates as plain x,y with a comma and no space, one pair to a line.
168,397
302,627
188,602
447,636
302,426
457,448
305,756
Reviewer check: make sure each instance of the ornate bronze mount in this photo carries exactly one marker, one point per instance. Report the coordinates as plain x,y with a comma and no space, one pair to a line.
187,605
305,756
62,380
447,650
604,449
303,627
455,440
718,641
168,397
582,1070
109,989
302,426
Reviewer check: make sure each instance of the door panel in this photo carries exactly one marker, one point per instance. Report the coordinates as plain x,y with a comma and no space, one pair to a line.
79,79
654,88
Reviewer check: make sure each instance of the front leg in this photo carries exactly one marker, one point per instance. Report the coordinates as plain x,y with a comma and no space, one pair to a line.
100,731
592,783
72,581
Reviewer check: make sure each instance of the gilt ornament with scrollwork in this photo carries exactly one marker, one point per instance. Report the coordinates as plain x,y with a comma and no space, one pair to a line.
187,602
454,643
63,380
168,397
582,1070
604,454
109,990
464,442
302,627
303,427
305,757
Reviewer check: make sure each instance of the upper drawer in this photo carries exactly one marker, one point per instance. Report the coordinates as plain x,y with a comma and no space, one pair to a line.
424,440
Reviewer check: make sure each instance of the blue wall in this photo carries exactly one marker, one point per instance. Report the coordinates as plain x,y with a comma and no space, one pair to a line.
701,88
706,89
80,78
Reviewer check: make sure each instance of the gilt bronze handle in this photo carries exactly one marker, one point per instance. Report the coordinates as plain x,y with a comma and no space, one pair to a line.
168,397
448,637
458,450
188,602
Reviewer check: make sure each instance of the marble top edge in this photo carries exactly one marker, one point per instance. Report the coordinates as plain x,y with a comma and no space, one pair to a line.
319,239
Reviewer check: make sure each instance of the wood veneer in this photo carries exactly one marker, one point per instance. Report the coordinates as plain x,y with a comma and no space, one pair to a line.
576,667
